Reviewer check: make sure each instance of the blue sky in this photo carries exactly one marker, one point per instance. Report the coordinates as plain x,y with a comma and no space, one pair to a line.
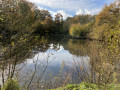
69,8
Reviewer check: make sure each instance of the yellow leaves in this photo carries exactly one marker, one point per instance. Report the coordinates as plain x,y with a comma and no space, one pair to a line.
13,44
119,22
79,30
0,36
107,22
23,40
4,49
1,19
55,77
42,40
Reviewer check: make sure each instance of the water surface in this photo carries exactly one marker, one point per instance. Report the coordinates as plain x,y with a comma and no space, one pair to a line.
62,61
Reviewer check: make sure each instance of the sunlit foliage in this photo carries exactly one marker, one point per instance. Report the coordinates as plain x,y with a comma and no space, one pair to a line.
81,22
79,30
11,84
107,22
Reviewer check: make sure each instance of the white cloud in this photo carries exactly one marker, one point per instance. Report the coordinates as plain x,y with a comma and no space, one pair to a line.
86,11
53,13
79,12
71,5
41,8
62,12
78,6
57,57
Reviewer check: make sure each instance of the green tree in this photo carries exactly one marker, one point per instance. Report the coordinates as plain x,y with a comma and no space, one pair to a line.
58,22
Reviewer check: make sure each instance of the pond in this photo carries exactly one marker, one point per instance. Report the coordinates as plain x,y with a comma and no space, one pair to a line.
64,61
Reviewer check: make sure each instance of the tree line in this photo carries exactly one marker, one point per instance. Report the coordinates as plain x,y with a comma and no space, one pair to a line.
103,26
20,17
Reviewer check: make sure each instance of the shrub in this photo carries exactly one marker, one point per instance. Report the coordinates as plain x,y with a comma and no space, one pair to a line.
88,86
11,84
79,30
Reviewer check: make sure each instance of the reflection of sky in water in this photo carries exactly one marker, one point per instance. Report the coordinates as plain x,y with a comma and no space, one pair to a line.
56,58
53,59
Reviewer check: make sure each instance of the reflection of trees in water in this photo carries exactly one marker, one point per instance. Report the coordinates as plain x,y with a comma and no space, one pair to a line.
22,50
78,47
104,64
16,52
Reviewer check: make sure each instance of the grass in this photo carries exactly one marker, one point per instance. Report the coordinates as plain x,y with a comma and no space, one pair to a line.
88,86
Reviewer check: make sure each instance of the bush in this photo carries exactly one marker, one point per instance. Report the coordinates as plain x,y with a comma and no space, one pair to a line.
11,84
79,30
99,32
88,86
71,87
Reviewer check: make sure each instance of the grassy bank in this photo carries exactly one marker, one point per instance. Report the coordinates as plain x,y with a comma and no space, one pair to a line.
88,86
12,84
